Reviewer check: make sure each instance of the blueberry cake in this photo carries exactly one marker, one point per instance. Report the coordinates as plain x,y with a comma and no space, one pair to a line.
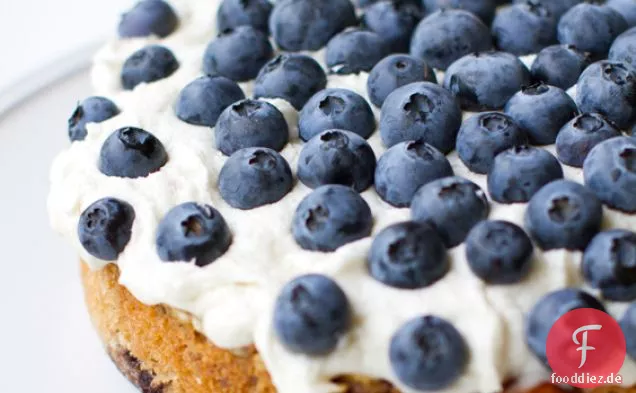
322,196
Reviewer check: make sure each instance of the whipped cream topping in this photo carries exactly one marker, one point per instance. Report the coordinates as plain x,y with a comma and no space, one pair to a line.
232,299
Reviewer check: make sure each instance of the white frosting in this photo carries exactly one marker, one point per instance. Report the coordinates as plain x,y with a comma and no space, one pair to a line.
232,298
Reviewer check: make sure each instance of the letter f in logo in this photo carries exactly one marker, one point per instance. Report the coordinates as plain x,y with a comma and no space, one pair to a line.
583,344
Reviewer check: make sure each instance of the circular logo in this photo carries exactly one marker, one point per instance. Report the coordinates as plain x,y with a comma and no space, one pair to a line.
585,349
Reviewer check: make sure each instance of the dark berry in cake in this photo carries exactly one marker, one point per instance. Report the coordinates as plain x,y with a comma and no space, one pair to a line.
336,108
559,66
235,13
250,123
238,53
447,35
541,110
408,255
148,64
292,77
483,136
337,157
148,18
428,353
202,100
254,177
407,166
624,48
192,232
90,110
355,50
626,8
396,71
452,205
308,25
628,325
394,21
105,228
131,152
484,9
486,81
563,214
311,314
556,7
330,217
421,111
524,28
580,135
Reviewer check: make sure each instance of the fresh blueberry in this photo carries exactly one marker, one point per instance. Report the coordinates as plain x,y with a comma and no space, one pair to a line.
131,152
428,353
238,53
447,35
91,110
628,325
408,255
421,111
396,71
235,13
330,217
624,48
394,21
559,66
148,17
406,167
202,100
486,81
556,7
355,50
250,123
336,108
337,157
105,228
518,173
524,28
499,252
580,135
483,136
298,25
541,110
311,314
626,8
607,87
292,77
548,310
452,205
254,177
484,9
148,64
610,171
192,231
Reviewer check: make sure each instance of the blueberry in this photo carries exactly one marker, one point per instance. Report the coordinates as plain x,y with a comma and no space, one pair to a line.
484,9
628,325
254,177
541,110
396,71
91,110
311,314
355,50
524,28
421,111
238,53
250,123
607,87
298,25
486,81
447,35
518,173
626,8
483,136
499,252
148,17
624,48
408,255
336,108
131,152
580,135
556,7
610,171
428,353
330,217
292,77
548,310
337,157
202,100
235,13
148,64
407,166
452,205
193,232
394,21
105,228
559,66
